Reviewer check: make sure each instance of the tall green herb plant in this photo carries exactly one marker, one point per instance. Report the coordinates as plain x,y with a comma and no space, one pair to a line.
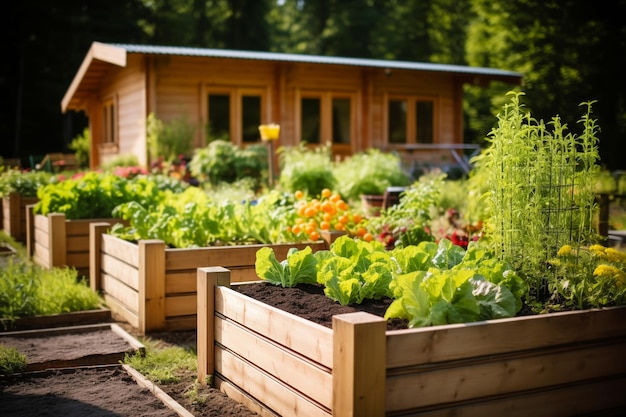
541,193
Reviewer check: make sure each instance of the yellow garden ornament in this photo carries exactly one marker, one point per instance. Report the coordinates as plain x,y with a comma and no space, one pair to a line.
269,131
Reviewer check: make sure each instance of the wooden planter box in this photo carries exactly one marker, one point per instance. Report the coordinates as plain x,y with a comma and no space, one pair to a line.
54,241
14,215
276,363
153,287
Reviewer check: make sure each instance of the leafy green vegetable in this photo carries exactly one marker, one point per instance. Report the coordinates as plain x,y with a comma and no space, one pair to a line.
457,287
355,270
298,268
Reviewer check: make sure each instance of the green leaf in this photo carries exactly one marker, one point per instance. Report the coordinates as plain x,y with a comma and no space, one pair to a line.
269,269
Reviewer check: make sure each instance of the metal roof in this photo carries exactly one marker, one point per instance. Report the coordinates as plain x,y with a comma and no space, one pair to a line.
315,59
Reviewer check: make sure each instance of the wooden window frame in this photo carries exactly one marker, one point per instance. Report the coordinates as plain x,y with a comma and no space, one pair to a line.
326,117
411,127
236,95
110,122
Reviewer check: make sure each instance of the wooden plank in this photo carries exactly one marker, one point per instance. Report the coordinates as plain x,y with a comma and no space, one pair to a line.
151,285
589,399
292,370
78,260
310,339
120,292
120,311
30,229
41,238
78,244
180,282
180,305
41,256
181,323
243,274
457,341
507,374
122,271
225,256
121,249
359,365
278,397
41,223
242,397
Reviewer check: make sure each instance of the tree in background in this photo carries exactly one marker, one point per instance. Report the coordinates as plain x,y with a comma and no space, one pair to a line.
568,52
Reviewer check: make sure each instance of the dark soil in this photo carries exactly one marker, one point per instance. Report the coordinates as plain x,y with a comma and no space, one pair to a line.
99,392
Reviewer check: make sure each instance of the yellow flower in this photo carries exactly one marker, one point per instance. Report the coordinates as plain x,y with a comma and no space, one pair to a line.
613,255
597,248
605,271
564,251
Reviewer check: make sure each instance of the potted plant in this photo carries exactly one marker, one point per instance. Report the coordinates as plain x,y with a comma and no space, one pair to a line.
365,176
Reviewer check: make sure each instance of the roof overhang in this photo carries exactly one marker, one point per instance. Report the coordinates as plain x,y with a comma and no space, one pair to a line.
94,68
102,57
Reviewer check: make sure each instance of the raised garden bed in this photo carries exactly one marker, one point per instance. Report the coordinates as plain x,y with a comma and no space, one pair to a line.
14,215
153,287
101,315
99,344
111,390
55,241
557,364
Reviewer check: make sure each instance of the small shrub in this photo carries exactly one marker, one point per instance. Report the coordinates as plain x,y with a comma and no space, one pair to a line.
11,360
81,146
306,170
369,173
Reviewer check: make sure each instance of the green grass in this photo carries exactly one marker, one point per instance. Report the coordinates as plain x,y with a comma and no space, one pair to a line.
11,360
164,365
27,289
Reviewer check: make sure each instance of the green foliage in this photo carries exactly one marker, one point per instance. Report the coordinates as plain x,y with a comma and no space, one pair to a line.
445,284
586,277
306,169
163,365
127,160
81,146
168,140
406,223
94,195
193,219
541,189
369,172
223,162
298,268
11,360
28,290
355,270
26,183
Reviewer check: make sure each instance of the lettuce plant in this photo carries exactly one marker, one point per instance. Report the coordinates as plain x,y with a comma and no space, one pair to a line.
298,268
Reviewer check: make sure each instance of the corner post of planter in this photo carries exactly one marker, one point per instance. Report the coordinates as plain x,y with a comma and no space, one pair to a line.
96,230
208,278
15,216
330,236
151,285
57,239
30,229
359,365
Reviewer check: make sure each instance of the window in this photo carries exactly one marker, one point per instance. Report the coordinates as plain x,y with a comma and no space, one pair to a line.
326,117
235,114
402,129
108,122
311,120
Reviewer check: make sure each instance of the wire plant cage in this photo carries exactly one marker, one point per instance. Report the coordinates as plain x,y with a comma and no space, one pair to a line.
541,182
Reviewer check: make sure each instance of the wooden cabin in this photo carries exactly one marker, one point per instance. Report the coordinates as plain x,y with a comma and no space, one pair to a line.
351,103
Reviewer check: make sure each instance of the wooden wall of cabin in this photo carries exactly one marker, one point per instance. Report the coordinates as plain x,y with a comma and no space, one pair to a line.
182,85
127,88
